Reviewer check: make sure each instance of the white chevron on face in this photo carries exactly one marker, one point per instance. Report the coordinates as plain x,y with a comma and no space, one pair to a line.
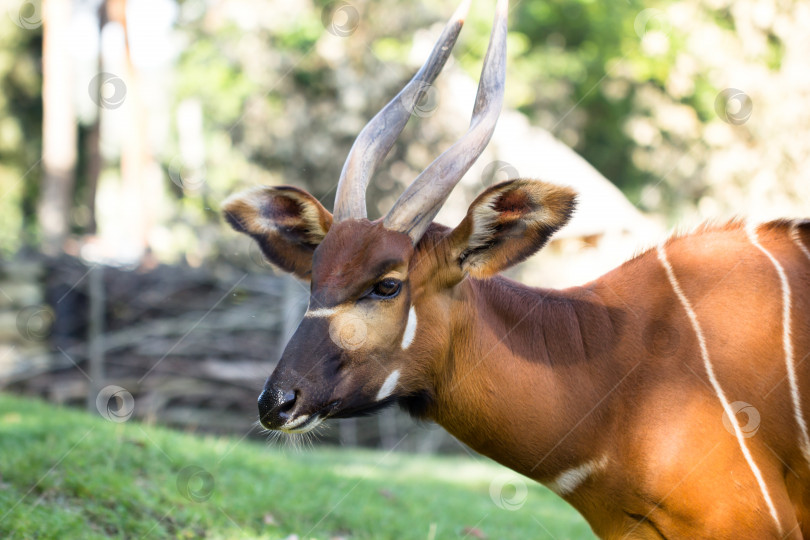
410,329
320,312
389,385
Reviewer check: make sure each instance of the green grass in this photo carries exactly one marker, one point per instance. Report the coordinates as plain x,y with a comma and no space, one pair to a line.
68,474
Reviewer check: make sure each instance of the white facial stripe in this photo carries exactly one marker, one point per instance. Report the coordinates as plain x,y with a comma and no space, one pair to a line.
389,385
704,352
569,480
321,312
787,344
410,329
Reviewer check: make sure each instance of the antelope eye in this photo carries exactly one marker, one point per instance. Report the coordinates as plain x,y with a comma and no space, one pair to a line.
387,288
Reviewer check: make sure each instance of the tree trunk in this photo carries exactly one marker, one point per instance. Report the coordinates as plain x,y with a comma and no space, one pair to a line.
141,180
58,126
93,143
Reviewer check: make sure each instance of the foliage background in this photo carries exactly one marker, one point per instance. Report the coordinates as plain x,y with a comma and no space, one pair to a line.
636,88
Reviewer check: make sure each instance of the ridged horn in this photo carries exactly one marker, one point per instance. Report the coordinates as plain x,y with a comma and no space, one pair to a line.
378,136
420,202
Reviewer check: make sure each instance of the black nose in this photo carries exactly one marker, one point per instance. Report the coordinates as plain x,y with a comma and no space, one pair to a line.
274,407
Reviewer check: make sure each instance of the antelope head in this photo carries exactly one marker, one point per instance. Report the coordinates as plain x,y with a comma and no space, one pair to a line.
382,291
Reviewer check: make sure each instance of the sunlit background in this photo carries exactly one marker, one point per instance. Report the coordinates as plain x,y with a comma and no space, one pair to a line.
125,123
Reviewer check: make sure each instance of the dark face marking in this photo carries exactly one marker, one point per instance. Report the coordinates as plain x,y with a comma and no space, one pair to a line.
349,343
352,257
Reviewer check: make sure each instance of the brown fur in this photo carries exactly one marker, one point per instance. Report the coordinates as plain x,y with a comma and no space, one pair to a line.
508,222
287,222
546,380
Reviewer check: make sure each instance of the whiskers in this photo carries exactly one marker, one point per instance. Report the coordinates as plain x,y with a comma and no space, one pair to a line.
257,425
297,442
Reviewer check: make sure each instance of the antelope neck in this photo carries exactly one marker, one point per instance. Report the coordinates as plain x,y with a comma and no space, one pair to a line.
529,383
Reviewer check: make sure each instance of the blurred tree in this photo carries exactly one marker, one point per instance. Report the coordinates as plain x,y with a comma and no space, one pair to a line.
136,150
274,91
20,126
59,130
92,147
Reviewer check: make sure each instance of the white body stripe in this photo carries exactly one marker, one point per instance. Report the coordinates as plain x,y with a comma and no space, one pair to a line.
321,312
389,385
787,343
794,234
704,352
569,480
410,329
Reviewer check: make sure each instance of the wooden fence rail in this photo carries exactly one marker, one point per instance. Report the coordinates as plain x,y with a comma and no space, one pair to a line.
192,346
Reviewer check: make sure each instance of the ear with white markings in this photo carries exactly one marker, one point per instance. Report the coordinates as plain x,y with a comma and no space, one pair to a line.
287,222
509,222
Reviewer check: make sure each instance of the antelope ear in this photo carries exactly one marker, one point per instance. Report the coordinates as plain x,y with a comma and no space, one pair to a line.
287,222
509,222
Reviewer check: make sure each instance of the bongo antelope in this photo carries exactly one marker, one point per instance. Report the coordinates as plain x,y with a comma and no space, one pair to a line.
669,398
